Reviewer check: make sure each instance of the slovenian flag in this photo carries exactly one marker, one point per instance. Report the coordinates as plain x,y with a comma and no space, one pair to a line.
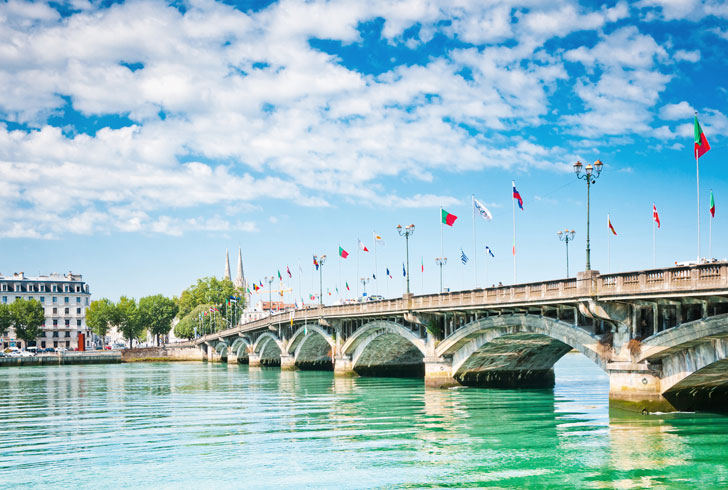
517,195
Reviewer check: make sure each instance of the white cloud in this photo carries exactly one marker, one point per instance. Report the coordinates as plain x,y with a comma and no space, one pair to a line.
673,112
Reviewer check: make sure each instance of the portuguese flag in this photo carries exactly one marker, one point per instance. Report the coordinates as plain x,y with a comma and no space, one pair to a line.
712,205
448,218
701,142
343,253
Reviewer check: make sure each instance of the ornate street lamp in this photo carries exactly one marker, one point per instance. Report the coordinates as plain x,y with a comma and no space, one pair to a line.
406,232
591,174
321,261
440,261
364,282
270,280
566,236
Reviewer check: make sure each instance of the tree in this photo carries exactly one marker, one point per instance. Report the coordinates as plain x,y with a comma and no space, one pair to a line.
207,291
101,316
129,323
199,319
27,316
156,314
6,319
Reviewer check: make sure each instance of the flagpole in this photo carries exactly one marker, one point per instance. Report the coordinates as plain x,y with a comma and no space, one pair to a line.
697,179
653,237
609,243
710,233
422,273
475,241
338,287
514,233
376,272
442,246
356,279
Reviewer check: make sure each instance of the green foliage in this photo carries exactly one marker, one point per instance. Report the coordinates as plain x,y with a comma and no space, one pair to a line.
185,328
6,319
433,326
130,324
27,317
101,316
156,314
208,291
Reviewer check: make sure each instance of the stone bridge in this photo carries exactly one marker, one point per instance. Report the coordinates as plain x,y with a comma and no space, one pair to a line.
661,335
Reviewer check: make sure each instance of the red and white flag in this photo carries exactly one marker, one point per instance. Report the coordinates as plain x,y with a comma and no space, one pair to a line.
655,216
363,247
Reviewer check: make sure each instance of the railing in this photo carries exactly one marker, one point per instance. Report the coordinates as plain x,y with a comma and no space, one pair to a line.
664,281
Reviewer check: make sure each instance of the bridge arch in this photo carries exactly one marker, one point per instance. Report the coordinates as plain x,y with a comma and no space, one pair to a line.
241,347
269,349
515,350
385,348
221,348
312,347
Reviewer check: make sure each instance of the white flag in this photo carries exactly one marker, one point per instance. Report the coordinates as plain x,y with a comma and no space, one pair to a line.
479,207
378,239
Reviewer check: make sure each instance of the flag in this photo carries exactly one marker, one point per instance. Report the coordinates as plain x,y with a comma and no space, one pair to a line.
327,290
343,253
347,286
390,275
232,300
609,223
422,259
378,240
315,262
655,216
248,289
261,283
363,247
374,276
487,249
313,297
480,208
463,257
404,271
447,218
517,196
712,205
280,277
288,270
701,142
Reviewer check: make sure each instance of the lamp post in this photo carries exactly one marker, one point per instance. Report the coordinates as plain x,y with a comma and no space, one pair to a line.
364,281
321,261
591,173
270,280
406,232
441,261
566,236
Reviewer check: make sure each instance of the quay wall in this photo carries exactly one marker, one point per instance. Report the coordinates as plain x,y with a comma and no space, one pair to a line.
63,358
167,353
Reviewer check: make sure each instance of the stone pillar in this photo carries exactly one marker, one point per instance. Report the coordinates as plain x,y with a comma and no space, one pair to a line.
232,358
343,366
288,363
253,360
438,373
636,388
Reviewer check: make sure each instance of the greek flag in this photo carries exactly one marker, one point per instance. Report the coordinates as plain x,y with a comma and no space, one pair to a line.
463,257
487,249
479,207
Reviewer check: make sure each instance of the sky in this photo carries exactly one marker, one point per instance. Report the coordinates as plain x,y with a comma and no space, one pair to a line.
139,140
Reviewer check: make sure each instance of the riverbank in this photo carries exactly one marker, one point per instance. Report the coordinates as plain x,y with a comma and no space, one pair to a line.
161,354
64,358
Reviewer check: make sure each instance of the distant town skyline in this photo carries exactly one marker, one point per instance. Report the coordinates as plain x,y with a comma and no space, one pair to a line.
140,140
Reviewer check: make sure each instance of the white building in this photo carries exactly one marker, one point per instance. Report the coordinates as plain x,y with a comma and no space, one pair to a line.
65,299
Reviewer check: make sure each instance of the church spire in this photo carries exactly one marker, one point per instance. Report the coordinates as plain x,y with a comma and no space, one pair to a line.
227,265
240,279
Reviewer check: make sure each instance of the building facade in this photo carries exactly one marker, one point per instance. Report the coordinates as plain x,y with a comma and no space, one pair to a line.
65,299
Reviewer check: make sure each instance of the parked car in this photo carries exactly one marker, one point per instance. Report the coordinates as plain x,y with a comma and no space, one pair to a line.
49,349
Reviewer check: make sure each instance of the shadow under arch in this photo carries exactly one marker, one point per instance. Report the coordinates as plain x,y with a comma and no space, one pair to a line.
241,347
515,351
312,348
269,349
384,348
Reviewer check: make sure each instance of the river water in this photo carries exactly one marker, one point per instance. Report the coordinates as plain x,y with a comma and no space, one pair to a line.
193,425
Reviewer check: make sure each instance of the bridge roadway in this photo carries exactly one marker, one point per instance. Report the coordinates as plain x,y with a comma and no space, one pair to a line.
661,335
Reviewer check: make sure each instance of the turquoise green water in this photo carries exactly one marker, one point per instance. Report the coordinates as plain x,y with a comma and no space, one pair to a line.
189,425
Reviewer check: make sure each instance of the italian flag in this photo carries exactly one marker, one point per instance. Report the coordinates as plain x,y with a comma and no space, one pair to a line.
343,253
280,277
712,205
448,218
701,142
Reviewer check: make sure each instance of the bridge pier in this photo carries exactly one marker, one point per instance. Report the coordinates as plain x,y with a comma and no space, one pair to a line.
438,373
288,363
232,358
253,360
344,366
635,388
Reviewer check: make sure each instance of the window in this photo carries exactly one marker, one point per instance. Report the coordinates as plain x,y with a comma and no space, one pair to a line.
42,343
86,301
5,299
42,288
55,322
66,311
55,310
68,344
68,322
4,287
78,311
65,288
66,300
42,299
55,334
54,288
30,298
68,334
78,300
78,323
55,344
55,299
78,289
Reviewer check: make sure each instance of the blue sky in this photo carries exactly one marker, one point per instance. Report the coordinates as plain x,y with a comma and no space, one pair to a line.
139,140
